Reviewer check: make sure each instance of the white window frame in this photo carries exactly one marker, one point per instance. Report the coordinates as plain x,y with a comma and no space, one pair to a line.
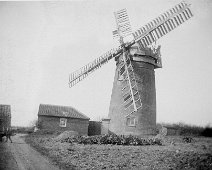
63,122
130,121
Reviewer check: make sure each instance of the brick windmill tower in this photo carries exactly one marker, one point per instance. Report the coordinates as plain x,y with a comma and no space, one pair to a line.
133,101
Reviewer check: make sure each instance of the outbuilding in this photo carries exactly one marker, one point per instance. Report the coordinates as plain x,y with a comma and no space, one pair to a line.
62,118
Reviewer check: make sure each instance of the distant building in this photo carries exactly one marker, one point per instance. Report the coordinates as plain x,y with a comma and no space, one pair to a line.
5,117
62,118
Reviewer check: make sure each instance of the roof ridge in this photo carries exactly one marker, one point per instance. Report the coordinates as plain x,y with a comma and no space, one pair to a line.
75,113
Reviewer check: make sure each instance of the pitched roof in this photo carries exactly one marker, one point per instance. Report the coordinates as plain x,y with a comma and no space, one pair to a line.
60,111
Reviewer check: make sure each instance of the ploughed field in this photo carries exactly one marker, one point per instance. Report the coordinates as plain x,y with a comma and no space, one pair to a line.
173,152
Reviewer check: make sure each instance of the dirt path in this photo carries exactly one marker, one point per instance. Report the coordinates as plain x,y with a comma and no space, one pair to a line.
20,156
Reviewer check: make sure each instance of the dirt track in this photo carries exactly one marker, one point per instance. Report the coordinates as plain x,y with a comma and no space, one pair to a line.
20,156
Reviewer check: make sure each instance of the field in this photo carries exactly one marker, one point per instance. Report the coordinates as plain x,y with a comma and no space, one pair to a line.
174,153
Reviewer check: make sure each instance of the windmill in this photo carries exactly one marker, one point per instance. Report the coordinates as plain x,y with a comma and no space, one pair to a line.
133,100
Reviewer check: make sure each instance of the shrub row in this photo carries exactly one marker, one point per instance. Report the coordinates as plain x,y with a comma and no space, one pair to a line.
113,139
188,139
185,129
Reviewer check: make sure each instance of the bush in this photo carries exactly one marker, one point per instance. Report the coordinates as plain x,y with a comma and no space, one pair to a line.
23,130
113,140
188,139
207,132
189,130
47,132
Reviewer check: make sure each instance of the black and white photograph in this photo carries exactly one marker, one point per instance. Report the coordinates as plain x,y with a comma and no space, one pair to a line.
106,84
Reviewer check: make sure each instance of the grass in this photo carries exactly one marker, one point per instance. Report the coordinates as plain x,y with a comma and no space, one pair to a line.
175,153
39,142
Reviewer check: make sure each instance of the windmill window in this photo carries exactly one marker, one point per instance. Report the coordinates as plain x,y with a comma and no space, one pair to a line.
130,121
63,122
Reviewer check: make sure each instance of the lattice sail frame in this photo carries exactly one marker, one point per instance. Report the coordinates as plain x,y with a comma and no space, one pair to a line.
163,24
83,72
130,93
123,25
144,36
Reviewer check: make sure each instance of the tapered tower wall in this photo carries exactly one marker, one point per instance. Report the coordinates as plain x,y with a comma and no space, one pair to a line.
116,110
145,117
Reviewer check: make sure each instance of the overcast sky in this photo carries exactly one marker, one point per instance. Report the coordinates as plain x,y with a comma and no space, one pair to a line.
42,42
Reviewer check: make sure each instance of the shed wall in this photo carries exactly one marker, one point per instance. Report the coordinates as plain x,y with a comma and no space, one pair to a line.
53,123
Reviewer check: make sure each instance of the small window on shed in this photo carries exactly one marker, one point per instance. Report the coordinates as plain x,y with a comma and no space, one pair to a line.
63,122
131,121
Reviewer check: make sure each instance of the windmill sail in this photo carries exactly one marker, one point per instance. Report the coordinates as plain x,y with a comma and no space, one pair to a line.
129,89
163,24
145,36
123,23
83,72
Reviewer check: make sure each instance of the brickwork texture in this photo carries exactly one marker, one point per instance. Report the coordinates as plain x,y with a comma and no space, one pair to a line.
72,124
145,117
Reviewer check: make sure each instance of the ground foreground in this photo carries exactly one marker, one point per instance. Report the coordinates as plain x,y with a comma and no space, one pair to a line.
20,156
173,154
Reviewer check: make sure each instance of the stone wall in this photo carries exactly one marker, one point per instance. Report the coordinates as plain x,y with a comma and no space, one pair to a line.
53,123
